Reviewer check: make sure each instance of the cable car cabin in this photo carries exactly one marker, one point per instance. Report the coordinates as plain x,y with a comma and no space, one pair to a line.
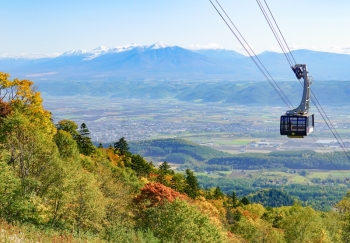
297,126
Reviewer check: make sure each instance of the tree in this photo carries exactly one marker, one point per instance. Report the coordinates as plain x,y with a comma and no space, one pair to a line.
122,147
234,199
5,109
218,193
245,201
84,142
80,204
302,224
179,222
81,136
155,194
140,165
165,174
192,187
68,126
66,145
32,153
165,168
20,95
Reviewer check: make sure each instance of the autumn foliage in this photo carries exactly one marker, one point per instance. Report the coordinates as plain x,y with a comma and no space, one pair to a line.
5,109
155,194
52,177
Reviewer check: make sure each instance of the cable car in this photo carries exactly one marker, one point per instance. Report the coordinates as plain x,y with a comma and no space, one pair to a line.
298,123
297,126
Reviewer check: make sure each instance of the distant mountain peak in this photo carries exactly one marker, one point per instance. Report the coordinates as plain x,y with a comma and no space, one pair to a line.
159,45
74,53
100,49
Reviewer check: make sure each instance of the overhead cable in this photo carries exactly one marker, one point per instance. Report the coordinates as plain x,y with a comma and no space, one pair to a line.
252,55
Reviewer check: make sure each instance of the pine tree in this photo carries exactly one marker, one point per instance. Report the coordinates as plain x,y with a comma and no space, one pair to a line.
140,165
122,147
192,187
165,168
245,201
218,193
84,142
234,199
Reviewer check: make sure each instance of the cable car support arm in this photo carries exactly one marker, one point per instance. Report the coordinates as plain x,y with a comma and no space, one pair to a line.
300,71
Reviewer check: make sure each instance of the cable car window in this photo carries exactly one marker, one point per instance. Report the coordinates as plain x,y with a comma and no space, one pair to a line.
294,123
285,124
301,123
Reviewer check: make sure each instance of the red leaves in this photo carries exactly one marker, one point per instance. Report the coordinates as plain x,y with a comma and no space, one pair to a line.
154,194
5,109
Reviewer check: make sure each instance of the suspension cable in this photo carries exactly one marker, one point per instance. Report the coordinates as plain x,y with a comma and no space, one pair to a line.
285,42
274,32
280,90
331,128
314,137
281,94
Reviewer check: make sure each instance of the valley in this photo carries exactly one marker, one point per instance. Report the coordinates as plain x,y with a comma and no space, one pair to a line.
226,127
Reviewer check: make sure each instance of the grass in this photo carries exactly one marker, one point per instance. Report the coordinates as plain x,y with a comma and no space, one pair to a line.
243,141
10,233
300,179
322,175
340,174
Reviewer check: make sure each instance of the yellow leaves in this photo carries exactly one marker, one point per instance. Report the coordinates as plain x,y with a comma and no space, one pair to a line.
207,207
4,82
256,209
167,179
344,205
21,96
115,159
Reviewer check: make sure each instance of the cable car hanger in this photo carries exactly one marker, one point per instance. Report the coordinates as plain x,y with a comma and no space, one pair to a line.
297,123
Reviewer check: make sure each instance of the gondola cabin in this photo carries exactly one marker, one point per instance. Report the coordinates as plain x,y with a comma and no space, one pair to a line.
297,126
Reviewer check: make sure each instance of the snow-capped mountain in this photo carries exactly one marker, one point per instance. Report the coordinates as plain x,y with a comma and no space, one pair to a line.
163,61
103,50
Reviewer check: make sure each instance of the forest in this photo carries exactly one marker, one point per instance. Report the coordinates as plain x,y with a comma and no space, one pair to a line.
200,158
57,186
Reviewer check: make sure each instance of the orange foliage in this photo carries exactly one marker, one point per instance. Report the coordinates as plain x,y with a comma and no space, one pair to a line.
233,238
154,194
114,158
247,214
153,176
219,204
5,109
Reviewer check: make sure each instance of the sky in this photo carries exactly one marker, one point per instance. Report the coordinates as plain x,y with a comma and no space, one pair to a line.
51,27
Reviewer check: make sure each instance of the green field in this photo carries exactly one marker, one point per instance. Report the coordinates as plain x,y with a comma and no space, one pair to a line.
291,177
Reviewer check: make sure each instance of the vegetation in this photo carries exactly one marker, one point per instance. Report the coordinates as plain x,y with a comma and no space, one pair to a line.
228,92
204,158
291,159
175,150
55,186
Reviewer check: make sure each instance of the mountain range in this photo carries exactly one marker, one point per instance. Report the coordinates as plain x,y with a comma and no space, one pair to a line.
162,62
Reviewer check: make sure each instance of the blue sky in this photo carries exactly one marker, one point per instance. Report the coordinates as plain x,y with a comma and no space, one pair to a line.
56,26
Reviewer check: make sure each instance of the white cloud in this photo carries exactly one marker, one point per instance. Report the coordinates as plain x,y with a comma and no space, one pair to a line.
331,48
41,74
207,46
339,49
29,55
